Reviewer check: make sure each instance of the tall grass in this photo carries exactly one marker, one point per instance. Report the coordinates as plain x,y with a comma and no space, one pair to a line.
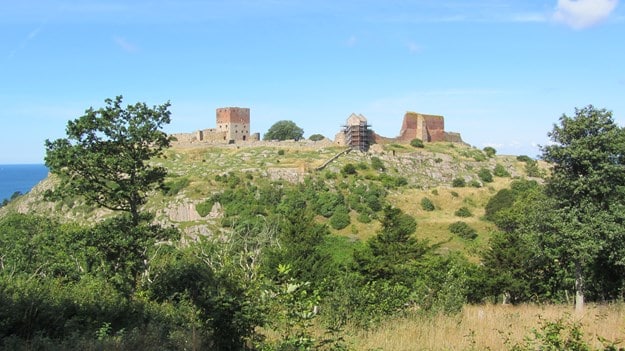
490,327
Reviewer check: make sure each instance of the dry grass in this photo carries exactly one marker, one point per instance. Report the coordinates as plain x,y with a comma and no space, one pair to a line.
488,327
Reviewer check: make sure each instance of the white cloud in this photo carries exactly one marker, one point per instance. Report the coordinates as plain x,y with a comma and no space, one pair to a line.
581,14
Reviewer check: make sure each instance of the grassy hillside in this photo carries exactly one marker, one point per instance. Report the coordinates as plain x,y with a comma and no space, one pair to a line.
421,172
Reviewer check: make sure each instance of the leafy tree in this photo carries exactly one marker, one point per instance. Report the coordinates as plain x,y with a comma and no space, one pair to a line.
316,137
284,130
391,254
489,151
587,184
104,156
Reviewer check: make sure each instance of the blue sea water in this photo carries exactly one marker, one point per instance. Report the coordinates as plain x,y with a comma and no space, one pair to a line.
20,178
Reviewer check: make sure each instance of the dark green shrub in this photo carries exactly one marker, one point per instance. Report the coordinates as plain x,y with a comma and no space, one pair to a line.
340,218
463,230
502,200
463,212
330,175
280,152
489,151
418,143
454,194
500,171
458,183
475,184
348,169
363,218
435,192
427,204
523,158
485,175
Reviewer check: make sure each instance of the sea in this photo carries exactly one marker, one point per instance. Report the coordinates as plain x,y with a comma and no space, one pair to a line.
22,178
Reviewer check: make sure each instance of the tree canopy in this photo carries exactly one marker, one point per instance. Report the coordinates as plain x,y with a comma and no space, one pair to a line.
587,184
104,156
284,130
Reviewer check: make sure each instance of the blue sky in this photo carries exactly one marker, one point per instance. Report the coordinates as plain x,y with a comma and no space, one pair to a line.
500,71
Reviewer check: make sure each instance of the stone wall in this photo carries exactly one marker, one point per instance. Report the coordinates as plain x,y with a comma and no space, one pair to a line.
429,128
234,121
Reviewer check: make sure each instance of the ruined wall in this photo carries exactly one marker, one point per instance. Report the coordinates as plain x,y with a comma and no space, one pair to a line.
235,122
429,128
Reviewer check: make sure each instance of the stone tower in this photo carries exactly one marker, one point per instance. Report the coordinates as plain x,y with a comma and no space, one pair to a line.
234,122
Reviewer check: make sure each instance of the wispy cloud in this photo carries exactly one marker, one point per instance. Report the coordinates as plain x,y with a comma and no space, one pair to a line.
580,14
125,45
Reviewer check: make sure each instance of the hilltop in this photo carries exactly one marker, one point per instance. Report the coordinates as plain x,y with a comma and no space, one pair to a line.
408,174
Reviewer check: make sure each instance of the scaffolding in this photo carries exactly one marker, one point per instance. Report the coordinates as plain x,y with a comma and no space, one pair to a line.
358,136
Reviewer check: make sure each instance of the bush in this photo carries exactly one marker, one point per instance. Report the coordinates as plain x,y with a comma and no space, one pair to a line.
204,208
523,158
348,169
489,151
458,183
502,200
417,143
280,152
485,175
427,204
500,171
377,164
475,184
454,194
363,218
171,188
463,230
340,218
532,170
463,212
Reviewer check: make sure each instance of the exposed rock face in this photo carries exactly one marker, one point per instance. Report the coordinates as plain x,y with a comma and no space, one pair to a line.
293,175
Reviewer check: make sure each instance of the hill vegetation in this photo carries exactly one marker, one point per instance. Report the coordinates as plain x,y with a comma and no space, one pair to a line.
269,246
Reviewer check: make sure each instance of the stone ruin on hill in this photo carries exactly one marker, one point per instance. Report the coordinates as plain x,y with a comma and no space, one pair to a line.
233,124
428,128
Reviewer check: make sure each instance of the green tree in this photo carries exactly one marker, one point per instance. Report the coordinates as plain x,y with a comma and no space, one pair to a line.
391,254
316,137
489,151
104,156
587,184
284,130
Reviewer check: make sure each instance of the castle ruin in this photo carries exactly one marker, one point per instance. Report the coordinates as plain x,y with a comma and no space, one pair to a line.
428,128
356,133
233,125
